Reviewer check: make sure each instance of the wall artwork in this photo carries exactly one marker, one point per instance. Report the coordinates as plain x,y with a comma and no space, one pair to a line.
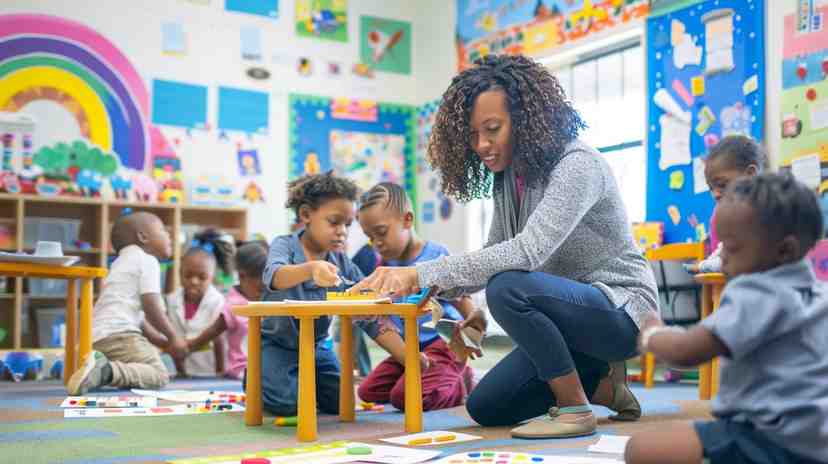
805,92
535,27
385,44
705,75
322,19
266,8
54,59
366,141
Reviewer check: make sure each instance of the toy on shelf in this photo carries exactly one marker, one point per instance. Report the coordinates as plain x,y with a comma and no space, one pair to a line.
648,235
20,365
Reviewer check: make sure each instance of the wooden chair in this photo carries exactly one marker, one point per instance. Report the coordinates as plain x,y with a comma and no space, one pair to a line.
671,252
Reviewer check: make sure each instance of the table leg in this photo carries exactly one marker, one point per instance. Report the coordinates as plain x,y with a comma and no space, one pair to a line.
71,328
413,384
85,318
306,427
649,370
714,367
253,390
346,379
705,370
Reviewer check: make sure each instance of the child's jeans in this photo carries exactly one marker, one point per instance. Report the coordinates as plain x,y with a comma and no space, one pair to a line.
280,379
136,363
443,384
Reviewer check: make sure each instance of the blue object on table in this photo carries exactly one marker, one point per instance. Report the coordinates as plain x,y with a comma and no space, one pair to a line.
56,372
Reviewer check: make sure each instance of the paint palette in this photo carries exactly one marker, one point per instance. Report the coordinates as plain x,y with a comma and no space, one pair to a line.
504,457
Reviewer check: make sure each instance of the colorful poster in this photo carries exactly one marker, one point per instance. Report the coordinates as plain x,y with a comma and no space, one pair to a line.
385,44
534,27
243,110
267,8
804,86
368,158
322,19
179,104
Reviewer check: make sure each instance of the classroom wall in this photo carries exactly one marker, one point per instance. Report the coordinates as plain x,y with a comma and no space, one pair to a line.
213,58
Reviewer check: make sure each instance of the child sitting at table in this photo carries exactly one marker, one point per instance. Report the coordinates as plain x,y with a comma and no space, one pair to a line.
772,405
305,266
387,218
129,306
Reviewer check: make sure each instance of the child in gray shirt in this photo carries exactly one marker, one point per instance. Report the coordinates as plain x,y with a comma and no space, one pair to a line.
770,331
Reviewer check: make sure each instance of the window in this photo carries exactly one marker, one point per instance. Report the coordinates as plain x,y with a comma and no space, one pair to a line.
607,88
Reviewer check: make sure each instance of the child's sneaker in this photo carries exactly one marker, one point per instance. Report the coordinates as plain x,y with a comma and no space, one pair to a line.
90,376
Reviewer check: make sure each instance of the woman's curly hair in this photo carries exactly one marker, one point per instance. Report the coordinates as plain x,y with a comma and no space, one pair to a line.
313,190
543,123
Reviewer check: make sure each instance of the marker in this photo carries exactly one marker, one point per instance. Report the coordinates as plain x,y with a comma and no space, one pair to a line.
444,438
419,441
285,421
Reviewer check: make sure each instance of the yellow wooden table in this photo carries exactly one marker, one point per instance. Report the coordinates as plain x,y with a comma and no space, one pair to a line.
712,287
306,313
71,274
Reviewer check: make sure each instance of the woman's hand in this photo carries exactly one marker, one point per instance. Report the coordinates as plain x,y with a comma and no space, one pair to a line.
650,322
475,319
390,281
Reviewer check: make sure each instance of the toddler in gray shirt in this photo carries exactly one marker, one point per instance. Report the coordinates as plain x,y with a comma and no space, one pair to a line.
769,330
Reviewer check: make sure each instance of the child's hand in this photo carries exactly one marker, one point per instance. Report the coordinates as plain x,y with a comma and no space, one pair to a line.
651,321
178,348
476,319
324,274
692,268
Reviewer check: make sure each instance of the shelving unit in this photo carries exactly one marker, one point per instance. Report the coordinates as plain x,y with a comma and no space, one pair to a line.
96,217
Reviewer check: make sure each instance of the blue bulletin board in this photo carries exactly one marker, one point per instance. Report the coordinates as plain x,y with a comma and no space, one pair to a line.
705,80
363,140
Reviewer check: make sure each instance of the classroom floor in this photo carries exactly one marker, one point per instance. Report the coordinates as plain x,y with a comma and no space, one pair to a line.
33,430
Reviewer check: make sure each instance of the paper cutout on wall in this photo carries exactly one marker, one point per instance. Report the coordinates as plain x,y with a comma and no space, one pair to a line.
368,158
682,92
322,19
751,85
249,163
806,169
304,66
41,51
253,193
718,41
334,69
697,86
674,214
669,105
354,109
699,181
736,120
251,43
385,44
676,180
363,70
179,104
535,27
685,50
706,119
675,142
446,208
648,235
819,115
173,41
243,110
267,8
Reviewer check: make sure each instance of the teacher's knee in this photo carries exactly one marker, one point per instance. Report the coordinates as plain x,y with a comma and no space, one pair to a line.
482,410
501,292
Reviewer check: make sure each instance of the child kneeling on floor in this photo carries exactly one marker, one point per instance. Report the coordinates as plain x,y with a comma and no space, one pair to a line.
305,266
770,330
387,218
131,292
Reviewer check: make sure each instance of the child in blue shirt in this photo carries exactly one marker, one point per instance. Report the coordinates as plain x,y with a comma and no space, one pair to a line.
305,266
386,217
770,330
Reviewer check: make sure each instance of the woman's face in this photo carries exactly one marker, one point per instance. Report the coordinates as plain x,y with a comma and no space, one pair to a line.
491,130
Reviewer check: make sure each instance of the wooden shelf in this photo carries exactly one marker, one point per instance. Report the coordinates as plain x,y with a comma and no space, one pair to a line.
96,216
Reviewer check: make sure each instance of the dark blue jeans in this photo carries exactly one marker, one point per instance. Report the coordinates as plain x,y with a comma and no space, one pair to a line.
280,379
559,326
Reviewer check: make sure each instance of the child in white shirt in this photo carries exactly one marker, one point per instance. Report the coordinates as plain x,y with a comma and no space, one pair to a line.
131,292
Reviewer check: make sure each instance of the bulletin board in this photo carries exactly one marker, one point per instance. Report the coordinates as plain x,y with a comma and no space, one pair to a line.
805,94
363,140
705,80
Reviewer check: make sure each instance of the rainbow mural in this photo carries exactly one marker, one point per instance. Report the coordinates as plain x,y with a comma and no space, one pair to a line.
49,58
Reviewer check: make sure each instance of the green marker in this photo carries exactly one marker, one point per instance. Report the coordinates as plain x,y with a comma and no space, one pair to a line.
360,450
